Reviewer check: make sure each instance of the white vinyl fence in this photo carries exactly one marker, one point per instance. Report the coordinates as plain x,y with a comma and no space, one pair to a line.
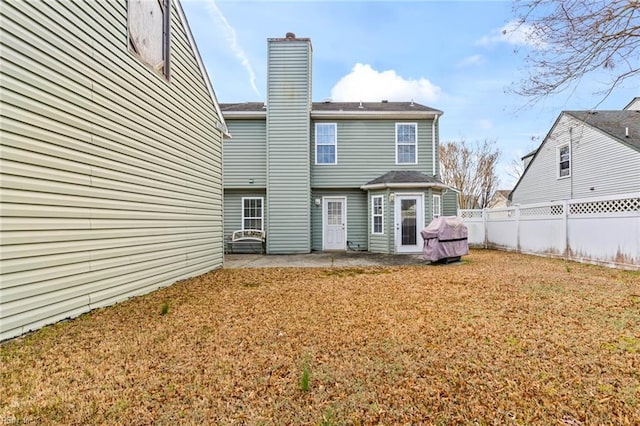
603,230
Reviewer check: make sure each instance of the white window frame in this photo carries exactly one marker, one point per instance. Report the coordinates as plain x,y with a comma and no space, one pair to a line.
374,214
415,144
437,206
261,217
135,20
559,161
335,143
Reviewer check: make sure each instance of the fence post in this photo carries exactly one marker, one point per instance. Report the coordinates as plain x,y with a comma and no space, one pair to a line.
484,225
517,212
565,208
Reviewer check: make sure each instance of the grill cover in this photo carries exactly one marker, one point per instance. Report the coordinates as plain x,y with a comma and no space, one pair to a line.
445,238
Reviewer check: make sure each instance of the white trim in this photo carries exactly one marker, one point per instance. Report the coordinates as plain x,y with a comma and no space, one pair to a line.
433,145
222,126
373,215
558,148
344,210
415,125
408,185
335,143
419,221
433,210
364,115
242,218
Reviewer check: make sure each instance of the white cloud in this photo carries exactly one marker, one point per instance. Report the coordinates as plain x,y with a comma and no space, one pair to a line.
364,83
515,33
470,61
484,124
230,35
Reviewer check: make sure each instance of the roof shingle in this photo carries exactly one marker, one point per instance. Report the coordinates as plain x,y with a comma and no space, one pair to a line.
339,107
614,123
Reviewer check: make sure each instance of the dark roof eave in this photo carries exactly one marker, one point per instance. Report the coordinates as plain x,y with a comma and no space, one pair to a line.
403,185
329,114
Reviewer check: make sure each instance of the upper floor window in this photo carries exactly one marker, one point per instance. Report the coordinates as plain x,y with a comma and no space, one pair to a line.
148,24
406,143
564,161
377,214
326,143
437,206
252,213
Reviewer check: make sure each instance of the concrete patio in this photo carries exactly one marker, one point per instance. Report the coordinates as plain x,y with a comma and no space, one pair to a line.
321,260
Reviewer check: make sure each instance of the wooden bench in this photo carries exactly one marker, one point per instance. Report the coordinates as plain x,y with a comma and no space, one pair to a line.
248,238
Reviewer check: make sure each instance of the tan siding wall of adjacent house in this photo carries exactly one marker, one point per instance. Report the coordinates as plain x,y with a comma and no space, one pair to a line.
111,176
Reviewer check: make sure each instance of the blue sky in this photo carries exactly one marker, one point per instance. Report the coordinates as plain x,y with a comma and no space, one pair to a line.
449,55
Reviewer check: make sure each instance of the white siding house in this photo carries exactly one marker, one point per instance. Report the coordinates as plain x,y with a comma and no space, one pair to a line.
111,176
585,154
634,105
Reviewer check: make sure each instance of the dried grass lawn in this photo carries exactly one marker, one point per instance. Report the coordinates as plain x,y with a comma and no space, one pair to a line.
501,339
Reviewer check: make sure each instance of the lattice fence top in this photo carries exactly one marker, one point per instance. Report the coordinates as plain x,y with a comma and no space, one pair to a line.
552,210
606,206
470,214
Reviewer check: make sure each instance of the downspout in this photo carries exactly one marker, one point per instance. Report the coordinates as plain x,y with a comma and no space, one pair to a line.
433,145
571,162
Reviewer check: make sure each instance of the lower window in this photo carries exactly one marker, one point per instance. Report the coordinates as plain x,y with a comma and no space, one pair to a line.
377,214
252,213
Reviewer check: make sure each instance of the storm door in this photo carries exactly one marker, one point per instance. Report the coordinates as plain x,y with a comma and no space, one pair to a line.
409,213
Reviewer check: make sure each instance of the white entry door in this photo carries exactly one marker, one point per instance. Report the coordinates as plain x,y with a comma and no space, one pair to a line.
409,217
334,223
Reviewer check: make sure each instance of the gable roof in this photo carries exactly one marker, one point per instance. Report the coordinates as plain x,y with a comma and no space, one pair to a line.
612,123
404,179
633,101
338,109
529,154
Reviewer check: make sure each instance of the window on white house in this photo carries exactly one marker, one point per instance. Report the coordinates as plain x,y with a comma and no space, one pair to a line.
148,24
252,213
564,161
326,143
406,143
377,214
437,206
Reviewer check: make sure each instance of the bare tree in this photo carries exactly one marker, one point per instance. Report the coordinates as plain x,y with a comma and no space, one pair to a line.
576,38
516,167
471,169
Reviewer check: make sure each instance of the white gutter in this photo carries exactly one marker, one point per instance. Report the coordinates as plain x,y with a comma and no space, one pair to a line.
375,114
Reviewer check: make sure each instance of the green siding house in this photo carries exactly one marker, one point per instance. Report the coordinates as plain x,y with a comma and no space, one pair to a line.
322,176
111,157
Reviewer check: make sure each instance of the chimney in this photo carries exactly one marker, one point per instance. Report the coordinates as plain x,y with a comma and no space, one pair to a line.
626,132
290,36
